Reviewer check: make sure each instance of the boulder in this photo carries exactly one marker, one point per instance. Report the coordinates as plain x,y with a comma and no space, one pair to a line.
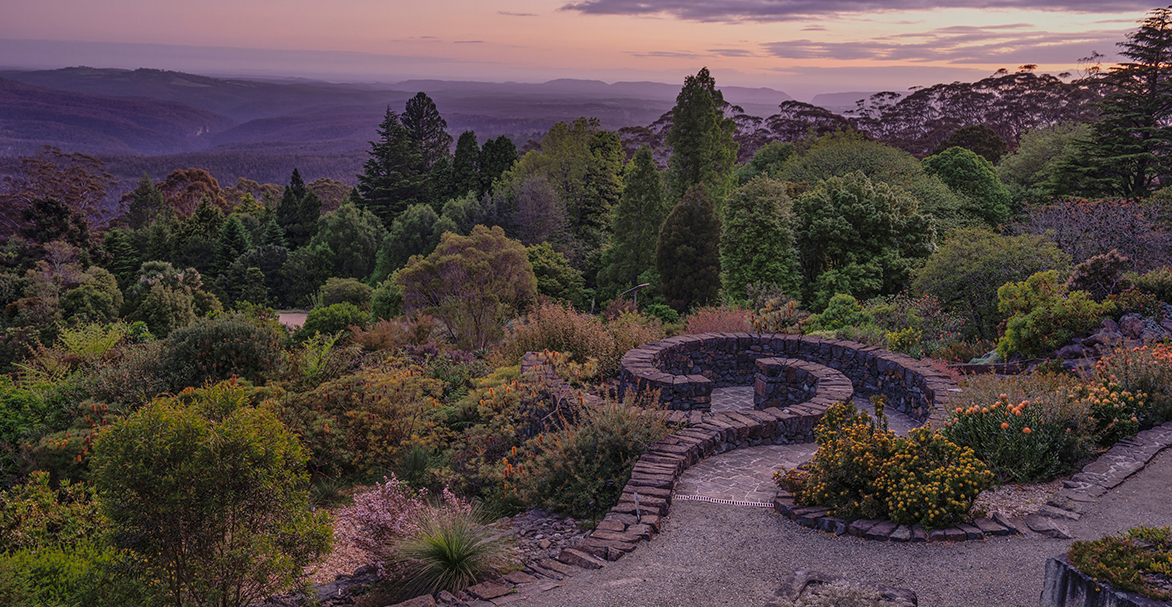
1132,326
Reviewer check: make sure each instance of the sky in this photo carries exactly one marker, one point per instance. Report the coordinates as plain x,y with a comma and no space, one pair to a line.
802,47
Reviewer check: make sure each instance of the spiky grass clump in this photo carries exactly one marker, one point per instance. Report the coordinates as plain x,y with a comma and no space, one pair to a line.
449,549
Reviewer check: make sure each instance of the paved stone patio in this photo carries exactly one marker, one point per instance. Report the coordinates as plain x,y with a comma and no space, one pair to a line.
734,398
746,475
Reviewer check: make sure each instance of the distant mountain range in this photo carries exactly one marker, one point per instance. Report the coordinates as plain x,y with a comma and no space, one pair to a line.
187,118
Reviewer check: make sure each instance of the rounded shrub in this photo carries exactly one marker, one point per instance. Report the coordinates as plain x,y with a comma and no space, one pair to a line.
331,319
218,348
1017,442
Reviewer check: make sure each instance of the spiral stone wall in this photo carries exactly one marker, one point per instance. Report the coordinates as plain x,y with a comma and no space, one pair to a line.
687,368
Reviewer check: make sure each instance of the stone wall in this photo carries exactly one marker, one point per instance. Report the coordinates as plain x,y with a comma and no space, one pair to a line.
781,382
686,368
1066,586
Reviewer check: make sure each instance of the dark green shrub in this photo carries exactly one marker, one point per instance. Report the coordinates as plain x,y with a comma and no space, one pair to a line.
332,319
965,272
387,301
842,311
581,470
222,347
663,312
346,290
556,278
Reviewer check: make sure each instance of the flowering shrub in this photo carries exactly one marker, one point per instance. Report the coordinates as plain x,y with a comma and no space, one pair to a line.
361,422
930,480
862,470
1146,370
426,544
851,451
1048,393
1115,411
1016,441
1132,562
780,315
1137,301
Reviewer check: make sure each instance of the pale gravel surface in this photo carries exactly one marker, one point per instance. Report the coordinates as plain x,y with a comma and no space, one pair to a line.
712,554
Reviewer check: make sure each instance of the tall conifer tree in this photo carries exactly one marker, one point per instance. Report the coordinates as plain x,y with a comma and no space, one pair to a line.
701,139
1130,148
688,254
635,223
391,180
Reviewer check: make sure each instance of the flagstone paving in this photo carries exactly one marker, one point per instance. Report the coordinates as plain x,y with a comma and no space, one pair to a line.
746,475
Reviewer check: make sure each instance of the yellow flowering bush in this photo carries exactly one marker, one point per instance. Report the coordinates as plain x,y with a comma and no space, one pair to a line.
852,448
1017,441
931,480
863,470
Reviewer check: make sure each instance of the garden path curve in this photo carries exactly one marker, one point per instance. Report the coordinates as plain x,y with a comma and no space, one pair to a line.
744,477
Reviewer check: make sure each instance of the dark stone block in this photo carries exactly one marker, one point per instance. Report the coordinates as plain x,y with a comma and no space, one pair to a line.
880,531
971,533
859,528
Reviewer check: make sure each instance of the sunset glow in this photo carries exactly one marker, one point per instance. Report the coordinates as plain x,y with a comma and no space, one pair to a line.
800,47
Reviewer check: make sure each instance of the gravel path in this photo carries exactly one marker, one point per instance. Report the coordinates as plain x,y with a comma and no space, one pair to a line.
720,554
713,554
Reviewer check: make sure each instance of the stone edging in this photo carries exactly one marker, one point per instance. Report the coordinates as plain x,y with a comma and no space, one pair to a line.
1127,457
686,368
789,381
1066,585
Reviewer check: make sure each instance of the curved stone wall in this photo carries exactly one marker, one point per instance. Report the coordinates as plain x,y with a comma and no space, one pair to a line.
781,382
686,368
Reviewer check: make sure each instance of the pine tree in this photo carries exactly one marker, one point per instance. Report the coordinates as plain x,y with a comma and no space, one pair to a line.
273,235
146,202
1130,148
426,125
234,241
701,139
635,223
687,256
390,180
465,161
291,212
757,242
497,156
123,259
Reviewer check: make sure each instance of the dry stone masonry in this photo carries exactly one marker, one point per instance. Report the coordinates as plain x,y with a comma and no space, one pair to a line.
686,368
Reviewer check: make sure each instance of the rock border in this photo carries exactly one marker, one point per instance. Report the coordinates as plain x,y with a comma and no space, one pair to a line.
686,368
790,381
1109,470
1066,586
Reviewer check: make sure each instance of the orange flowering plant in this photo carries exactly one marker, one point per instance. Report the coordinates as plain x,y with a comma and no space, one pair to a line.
1017,441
